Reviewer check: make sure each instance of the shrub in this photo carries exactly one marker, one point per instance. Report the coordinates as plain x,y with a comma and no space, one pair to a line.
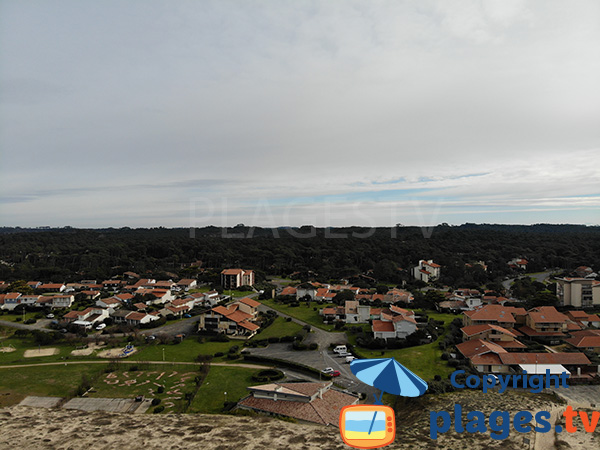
155,401
313,346
158,409
234,349
288,319
233,356
133,368
273,339
160,389
219,354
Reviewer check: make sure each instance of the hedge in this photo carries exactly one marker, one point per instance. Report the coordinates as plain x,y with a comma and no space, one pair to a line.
283,363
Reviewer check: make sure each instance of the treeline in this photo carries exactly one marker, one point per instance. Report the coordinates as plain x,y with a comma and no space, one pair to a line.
70,254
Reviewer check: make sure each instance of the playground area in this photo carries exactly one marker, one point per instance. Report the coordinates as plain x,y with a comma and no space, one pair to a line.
41,352
118,352
88,350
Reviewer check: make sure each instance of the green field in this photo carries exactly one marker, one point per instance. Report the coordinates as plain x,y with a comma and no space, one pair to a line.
279,328
54,381
302,312
18,317
211,395
186,351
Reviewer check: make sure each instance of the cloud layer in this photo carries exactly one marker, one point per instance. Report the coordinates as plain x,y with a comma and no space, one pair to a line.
332,113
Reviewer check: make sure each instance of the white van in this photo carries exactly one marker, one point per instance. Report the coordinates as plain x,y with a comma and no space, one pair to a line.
340,349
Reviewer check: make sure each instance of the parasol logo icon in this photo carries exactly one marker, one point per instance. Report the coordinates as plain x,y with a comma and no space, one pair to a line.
374,426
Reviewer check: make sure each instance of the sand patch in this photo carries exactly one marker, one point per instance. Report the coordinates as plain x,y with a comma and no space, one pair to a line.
115,353
41,352
7,349
87,351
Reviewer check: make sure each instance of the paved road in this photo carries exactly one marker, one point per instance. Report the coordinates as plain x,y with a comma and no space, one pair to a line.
536,276
39,325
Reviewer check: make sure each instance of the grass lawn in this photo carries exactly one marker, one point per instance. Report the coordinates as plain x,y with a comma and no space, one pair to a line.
279,328
54,381
424,360
239,294
123,383
211,395
186,351
18,317
302,312
200,289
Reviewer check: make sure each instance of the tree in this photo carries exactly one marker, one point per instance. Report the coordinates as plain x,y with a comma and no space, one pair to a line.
20,286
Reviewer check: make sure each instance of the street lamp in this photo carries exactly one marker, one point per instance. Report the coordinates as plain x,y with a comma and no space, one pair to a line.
163,353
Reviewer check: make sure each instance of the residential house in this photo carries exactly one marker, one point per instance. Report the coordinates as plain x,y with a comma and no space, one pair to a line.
34,284
186,284
91,295
584,319
578,292
288,291
29,299
113,284
545,323
504,316
518,263
394,323
52,287
426,271
139,318
10,300
356,313
584,272
249,306
306,402
87,317
230,320
110,303
587,340
507,339
234,278
62,301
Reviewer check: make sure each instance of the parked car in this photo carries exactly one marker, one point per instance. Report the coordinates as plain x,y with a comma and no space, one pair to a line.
335,373
340,349
349,359
328,370
102,326
344,354
187,316
50,316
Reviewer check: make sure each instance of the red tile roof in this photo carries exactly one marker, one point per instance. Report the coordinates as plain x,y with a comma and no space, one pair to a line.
546,314
575,358
249,302
324,411
585,341
381,326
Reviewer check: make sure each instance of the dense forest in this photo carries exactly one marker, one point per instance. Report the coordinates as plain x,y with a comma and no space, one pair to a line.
69,254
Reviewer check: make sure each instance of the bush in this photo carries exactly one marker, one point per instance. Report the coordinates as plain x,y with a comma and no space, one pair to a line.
313,346
267,375
160,389
133,368
287,339
288,319
219,354
233,356
18,319
234,349
30,321
219,338
155,401
158,409
273,340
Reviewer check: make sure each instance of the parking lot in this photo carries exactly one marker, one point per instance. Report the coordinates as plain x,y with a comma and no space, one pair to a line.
319,359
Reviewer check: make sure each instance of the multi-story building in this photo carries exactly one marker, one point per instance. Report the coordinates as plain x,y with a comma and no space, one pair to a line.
578,292
426,271
234,278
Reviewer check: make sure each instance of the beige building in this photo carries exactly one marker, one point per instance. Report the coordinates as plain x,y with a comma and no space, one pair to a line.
578,292
234,278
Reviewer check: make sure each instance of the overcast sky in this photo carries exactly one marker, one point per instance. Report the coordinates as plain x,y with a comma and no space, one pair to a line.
149,113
